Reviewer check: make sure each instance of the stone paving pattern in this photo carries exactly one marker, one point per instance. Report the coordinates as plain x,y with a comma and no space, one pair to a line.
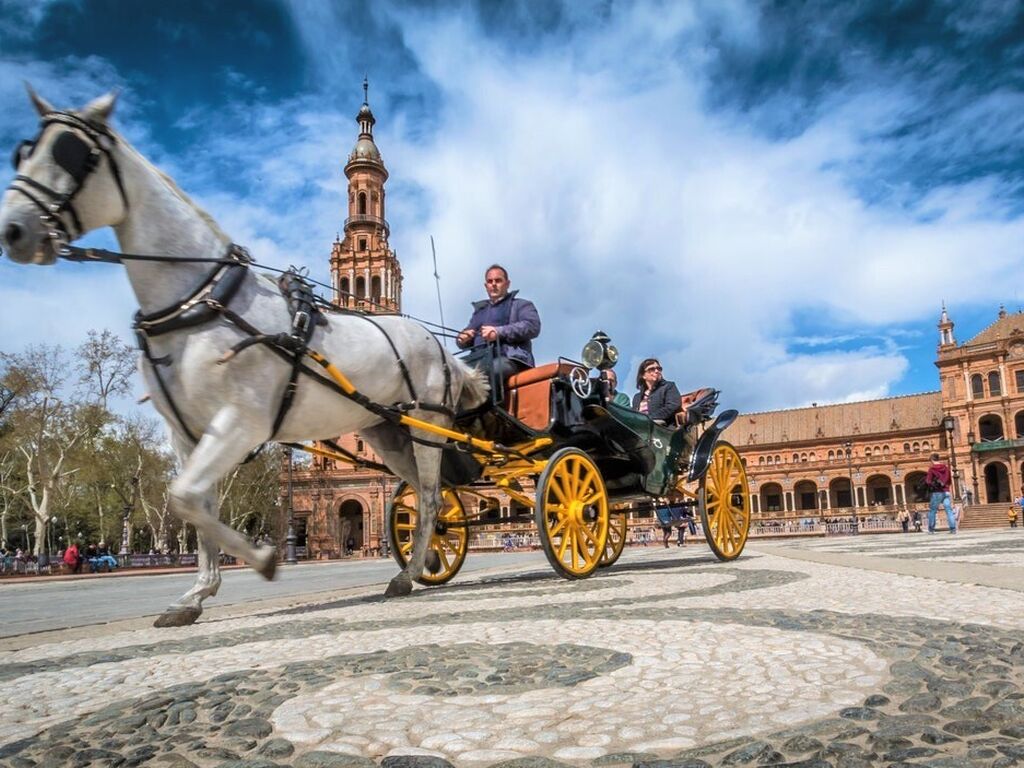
669,658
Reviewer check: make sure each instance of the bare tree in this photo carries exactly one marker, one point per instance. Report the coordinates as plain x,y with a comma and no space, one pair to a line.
12,490
107,366
48,426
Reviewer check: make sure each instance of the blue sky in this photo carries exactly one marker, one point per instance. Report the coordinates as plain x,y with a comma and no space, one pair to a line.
774,198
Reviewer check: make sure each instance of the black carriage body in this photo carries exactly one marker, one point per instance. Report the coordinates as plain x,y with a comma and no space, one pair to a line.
636,456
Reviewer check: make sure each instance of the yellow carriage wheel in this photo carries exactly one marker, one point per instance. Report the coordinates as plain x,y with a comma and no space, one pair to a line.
450,539
724,500
572,513
616,539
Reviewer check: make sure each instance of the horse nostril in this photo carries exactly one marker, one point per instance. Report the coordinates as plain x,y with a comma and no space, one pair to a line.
13,233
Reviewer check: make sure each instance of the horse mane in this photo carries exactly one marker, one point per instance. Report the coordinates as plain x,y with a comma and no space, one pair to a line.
173,186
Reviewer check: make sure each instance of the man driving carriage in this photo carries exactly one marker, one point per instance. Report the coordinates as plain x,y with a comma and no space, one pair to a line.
505,319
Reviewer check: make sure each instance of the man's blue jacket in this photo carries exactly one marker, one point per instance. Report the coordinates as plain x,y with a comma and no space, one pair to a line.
516,333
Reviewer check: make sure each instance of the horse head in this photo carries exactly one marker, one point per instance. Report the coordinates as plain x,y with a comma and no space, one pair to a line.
67,183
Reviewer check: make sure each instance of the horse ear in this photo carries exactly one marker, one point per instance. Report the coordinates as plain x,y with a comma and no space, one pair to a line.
98,110
43,107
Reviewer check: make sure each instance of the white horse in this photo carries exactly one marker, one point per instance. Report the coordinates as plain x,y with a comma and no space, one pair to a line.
79,176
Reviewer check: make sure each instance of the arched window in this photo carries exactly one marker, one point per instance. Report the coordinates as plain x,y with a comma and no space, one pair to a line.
803,457
812,457
993,384
362,204
1018,424
760,461
345,288
359,446
867,452
917,447
796,457
769,460
926,446
831,455
360,287
990,427
885,450
375,287
977,385
778,459
906,447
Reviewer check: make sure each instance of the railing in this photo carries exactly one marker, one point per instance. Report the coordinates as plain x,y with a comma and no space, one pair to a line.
996,445
368,218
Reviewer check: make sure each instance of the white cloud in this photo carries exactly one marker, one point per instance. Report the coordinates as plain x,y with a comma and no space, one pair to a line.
594,171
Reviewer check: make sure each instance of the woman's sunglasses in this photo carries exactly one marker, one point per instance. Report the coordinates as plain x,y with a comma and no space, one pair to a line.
652,368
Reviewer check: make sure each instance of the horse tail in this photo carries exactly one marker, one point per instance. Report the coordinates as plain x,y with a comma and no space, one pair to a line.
475,386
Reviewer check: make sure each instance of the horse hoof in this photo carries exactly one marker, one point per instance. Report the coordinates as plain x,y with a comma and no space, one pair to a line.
177,617
269,568
400,586
433,561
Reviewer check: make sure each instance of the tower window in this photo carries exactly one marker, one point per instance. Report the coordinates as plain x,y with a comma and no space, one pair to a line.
1019,376
362,243
345,287
360,287
362,204
977,385
375,287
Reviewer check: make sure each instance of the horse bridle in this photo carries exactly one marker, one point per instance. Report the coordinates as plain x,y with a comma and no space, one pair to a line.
76,156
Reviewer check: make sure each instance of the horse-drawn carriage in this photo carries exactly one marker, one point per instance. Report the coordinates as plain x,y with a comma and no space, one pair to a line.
590,463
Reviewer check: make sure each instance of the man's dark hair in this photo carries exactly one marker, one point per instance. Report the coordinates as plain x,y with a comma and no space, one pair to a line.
935,457
497,266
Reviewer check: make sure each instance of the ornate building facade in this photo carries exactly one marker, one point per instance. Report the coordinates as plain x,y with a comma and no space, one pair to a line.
830,460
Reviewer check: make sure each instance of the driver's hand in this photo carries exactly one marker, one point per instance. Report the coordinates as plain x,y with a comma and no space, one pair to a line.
465,337
489,333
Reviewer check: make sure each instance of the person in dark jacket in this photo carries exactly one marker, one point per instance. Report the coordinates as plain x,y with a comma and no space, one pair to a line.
503,318
937,481
657,397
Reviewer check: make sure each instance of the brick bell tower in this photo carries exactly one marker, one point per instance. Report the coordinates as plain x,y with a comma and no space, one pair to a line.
340,509
365,271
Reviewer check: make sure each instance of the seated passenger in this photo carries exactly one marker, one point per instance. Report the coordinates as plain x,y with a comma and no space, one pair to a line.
657,397
614,396
503,318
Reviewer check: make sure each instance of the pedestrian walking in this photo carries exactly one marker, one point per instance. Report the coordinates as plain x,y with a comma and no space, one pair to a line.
937,480
1011,515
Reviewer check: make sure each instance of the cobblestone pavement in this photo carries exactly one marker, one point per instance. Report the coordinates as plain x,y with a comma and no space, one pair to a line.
669,658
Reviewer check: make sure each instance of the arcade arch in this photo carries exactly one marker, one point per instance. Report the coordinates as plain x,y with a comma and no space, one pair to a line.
350,526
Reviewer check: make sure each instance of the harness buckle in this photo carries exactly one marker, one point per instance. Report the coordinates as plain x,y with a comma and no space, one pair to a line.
214,304
301,322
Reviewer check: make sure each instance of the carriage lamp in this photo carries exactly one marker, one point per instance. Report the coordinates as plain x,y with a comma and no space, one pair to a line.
599,353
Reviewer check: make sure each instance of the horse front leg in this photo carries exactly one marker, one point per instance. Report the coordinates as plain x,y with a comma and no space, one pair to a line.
194,500
187,608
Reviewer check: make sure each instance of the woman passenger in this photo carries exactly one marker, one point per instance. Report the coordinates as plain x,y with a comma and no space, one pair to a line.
657,397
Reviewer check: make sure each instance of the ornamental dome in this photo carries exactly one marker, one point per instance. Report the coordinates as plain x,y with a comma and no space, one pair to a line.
365,149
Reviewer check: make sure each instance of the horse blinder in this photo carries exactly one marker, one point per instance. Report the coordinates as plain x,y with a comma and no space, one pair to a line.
74,155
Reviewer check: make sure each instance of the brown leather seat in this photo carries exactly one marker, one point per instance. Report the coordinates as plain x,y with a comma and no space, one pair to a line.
685,401
528,394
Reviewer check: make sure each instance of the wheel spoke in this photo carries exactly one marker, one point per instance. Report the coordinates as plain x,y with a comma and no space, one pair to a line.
556,529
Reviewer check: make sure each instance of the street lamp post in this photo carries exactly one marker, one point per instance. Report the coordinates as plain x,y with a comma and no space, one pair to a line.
289,552
948,423
974,468
853,494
